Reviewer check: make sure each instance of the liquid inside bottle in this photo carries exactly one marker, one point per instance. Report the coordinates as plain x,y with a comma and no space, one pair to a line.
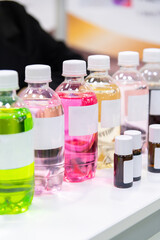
108,96
47,112
81,120
16,149
134,97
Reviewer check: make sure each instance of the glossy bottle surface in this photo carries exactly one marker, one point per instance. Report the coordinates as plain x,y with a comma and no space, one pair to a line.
106,92
80,109
154,157
16,155
47,112
134,100
151,73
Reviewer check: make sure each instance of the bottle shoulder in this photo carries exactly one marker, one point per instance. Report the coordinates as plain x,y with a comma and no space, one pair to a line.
151,73
47,96
129,77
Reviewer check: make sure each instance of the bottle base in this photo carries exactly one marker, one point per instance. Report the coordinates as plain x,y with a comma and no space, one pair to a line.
122,185
80,173
48,185
135,179
153,170
15,203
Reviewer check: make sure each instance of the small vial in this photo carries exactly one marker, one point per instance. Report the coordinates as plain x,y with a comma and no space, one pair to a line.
137,153
154,148
123,162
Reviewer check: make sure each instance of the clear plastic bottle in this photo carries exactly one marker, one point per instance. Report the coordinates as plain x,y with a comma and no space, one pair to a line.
109,107
151,72
81,122
47,112
134,94
16,148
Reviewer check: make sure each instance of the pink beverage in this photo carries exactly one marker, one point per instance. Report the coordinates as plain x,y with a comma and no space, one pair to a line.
47,112
134,94
81,122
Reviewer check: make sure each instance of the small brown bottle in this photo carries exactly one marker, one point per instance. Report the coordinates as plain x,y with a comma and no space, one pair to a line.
137,153
123,162
154,148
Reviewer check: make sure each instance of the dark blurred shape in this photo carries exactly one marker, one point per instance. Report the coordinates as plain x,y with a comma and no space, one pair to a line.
23,42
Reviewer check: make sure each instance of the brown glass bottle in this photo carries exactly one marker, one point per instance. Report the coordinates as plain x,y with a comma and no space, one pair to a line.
119,171
153,118
136,153
151,157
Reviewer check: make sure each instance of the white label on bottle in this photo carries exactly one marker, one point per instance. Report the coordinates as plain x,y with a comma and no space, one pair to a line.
155,102
137,165
128,171
48,133
110,113
16,150
83,120
138,107
157,158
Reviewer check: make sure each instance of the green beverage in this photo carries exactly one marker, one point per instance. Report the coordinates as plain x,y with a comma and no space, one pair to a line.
16,148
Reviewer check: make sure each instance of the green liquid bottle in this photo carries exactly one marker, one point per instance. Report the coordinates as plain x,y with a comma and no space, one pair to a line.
16,148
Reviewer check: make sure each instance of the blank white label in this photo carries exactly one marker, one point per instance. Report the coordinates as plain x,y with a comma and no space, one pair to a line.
128,171
138,107
110,113
157,158
83,120
48,133
16,150
137,165
155,102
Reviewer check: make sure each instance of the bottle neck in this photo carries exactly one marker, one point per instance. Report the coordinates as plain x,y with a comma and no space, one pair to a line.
9,93
128,68
99,72
74,79
38,85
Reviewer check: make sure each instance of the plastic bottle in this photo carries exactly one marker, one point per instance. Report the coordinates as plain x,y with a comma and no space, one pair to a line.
151,72
47,112
81,122
16,148
134,94
108,96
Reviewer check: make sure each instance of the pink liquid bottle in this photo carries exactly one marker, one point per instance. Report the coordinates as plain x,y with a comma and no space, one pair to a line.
81,122
134,94
47,112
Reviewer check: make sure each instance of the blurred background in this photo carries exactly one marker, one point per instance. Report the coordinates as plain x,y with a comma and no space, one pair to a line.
100,26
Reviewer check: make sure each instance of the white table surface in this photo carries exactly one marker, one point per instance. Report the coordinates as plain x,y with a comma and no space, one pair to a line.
83,210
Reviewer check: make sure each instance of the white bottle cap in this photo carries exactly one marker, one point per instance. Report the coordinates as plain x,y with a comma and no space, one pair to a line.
74,68
37,73
8,80
151,55
128,58
123,145
137,139
98,62
154,133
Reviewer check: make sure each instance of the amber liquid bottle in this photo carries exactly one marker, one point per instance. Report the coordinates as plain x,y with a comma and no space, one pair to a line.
154,148
137,153
123,162
109,107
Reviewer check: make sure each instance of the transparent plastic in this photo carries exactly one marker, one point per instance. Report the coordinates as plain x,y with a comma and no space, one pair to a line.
133,87
151,73
45,105
80,151
16,183
105,89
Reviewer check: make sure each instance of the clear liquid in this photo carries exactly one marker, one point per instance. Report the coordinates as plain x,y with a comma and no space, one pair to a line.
80,151
104,90
43,103
131,83
16,185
